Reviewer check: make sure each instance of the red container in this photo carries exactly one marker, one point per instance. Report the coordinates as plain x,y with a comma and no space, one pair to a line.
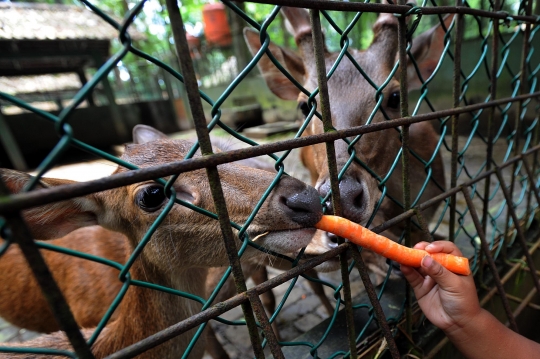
216,26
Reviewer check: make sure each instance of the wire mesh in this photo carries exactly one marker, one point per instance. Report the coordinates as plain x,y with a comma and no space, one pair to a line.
503,183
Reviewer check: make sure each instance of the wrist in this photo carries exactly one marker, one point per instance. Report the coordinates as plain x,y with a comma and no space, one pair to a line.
463,329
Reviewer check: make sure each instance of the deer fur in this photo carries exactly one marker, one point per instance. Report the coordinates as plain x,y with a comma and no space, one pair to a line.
352,100
90,287
182,248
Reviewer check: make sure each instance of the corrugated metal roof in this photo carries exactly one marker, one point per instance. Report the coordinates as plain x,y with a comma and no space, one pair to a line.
29,21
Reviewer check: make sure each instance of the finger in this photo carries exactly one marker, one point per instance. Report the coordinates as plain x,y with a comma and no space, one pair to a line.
421,245
420,284
442,276
443,247
422,272
414,278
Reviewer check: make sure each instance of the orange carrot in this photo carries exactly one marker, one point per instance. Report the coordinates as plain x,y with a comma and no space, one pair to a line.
387,248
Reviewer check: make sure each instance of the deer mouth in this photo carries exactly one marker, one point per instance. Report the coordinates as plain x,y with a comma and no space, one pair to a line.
284,241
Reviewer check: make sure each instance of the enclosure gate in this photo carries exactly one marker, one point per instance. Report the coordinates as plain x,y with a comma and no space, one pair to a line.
494,230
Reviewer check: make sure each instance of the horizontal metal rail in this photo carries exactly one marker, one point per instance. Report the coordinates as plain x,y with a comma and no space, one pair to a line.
396,9
237,300
40,197
220,308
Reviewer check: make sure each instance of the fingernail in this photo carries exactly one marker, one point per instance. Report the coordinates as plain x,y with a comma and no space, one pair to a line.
429,246
426,261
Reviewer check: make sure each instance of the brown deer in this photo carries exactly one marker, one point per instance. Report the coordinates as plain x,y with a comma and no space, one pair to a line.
89,287
24,305
182,248
352,100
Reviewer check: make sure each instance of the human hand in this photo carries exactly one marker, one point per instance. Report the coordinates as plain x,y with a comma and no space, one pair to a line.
448,300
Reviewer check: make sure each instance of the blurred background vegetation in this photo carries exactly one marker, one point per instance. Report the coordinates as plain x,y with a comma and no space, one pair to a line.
153,23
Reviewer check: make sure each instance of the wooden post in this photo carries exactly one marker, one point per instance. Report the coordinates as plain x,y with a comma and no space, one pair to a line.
118,123
82,78
10,145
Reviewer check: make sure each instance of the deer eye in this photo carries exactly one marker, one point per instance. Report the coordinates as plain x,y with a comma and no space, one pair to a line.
303,106
150,198
393,100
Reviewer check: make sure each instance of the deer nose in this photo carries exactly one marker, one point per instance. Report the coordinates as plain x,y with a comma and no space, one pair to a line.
352,198
300,202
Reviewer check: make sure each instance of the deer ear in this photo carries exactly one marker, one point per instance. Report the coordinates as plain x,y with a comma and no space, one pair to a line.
427,50
143,134
57,219
278,83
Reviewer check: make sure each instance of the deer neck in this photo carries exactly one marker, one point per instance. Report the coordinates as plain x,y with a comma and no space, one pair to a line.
144,312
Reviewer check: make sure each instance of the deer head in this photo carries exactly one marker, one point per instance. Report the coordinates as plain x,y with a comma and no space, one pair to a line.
282,223
352,100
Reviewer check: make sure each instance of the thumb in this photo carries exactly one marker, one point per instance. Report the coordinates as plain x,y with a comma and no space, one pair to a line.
442,276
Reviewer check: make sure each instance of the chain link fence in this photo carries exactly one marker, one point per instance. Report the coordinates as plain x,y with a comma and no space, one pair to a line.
488,140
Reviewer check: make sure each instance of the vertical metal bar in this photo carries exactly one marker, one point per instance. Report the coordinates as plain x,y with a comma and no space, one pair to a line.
489,257
520,234
404,109
532,179
260,313
456,92
532,184
377,308
492,96
199,119
522,90
318,47
51,292
423,225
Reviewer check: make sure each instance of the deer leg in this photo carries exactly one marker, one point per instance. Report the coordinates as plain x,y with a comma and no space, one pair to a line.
260,275
213,346
318,289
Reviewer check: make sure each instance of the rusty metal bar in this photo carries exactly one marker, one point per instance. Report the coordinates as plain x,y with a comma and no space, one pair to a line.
319,49
423,225
532,185
36,198
222,307
377,308
456,91
489,149
52,293
433,201
519,109
260,314
195,104
520,234
489,257
493,96
405,155
397,9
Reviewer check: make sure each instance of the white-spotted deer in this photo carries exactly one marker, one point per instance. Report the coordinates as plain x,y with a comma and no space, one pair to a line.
182,248
352,100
